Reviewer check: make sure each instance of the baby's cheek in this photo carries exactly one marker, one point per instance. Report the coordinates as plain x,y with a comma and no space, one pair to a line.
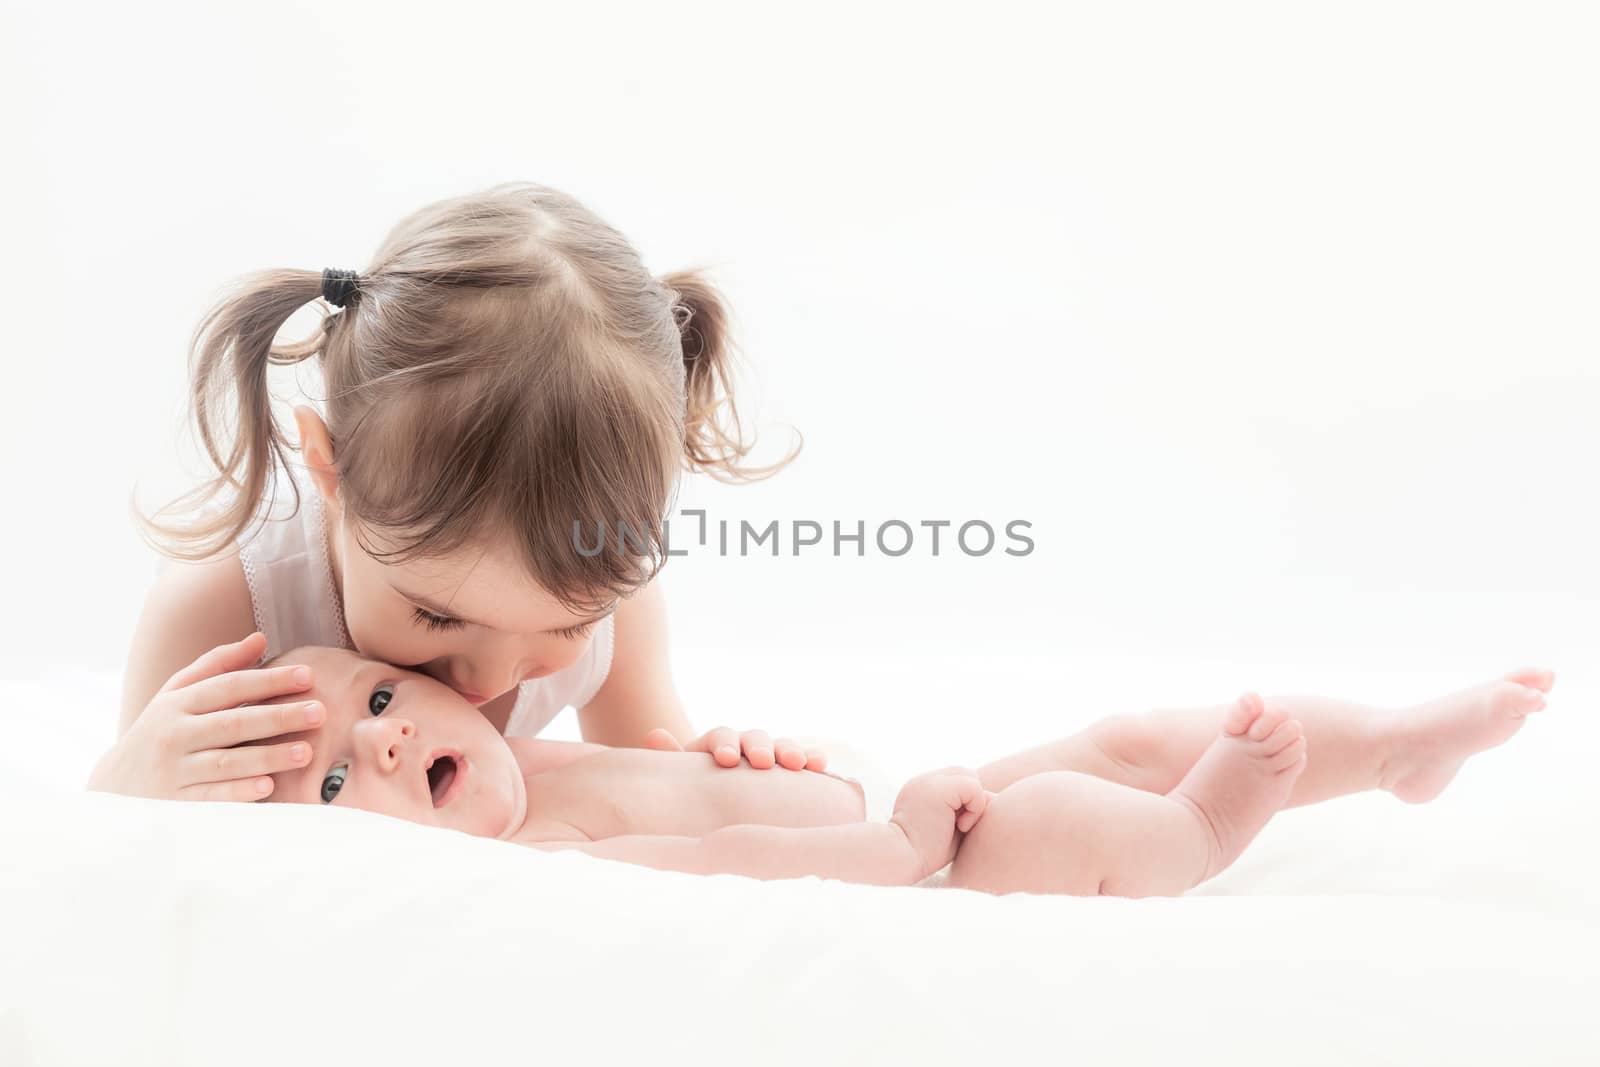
382,801
489,810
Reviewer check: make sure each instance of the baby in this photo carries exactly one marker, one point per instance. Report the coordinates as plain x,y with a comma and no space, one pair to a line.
1149,804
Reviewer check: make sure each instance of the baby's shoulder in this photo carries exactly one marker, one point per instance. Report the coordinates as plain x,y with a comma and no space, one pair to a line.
546,831
536,756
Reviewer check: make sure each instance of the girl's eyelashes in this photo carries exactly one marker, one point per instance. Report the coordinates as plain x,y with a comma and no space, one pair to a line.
424,617
332,782
437,623
575,632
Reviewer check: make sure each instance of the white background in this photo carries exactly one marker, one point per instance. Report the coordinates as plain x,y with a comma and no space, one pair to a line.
1278,325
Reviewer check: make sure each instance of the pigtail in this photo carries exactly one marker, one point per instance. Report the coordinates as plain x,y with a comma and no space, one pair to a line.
229,356
713,441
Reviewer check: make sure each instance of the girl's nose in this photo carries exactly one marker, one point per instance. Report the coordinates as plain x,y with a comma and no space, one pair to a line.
383,740
505,676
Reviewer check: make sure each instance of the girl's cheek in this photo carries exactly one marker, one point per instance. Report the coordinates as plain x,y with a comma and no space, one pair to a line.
384,638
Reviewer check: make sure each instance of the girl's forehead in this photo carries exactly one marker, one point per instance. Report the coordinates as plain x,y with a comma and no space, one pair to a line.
476,583
480,566
462,572
489,592
488,584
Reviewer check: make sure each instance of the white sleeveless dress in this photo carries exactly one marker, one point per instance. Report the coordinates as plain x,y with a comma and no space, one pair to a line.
285,558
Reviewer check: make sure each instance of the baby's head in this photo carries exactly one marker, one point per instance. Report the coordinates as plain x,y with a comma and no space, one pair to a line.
399,743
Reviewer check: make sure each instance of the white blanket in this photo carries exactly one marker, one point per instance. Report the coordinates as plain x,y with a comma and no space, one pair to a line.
146,932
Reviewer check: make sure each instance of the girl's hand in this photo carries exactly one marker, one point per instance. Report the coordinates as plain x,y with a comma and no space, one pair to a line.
726,747
181,747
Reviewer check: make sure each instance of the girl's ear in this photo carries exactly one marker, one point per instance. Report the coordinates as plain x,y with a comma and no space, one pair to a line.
316,448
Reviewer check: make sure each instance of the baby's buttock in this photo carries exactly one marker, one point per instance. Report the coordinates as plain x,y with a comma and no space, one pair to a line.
635,791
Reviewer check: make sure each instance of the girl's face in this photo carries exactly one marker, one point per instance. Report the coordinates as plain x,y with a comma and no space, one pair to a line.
475,620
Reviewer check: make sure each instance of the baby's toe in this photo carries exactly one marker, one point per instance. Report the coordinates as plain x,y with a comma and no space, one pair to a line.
1245,711
1269,720
1291,757
1283,735
1534,677
1516,698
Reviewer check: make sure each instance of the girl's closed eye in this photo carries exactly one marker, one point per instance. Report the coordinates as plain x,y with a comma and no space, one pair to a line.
572,633
424,617
333,781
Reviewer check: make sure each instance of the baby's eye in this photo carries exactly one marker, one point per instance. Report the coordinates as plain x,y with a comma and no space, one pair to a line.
333,783
380,699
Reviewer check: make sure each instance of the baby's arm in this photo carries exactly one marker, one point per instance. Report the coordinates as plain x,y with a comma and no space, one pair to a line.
919,839
869,853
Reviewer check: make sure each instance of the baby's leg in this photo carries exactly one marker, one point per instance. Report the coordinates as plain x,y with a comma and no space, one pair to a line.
1412,752
1064,832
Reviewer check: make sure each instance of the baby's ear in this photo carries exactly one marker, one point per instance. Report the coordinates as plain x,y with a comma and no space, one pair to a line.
316,448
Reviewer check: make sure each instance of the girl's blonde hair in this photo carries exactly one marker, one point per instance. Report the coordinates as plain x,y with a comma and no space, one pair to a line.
506,367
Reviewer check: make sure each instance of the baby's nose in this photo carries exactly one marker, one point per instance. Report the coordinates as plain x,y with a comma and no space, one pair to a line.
387,739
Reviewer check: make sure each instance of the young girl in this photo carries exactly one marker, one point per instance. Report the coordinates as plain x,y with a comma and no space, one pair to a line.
505,380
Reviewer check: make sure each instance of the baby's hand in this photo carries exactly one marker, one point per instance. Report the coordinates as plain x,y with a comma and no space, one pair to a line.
182,746
932,808
726,747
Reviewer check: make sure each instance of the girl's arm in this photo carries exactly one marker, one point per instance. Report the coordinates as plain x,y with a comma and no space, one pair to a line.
191,608
189,695
638,695
637,705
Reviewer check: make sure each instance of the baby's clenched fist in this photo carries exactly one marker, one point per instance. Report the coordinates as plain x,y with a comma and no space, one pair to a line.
933,808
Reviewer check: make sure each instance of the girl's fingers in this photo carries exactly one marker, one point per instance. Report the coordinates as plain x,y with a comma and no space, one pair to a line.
243,687
234,726
224,765
757,747
220,660
722,743
243,789
790,755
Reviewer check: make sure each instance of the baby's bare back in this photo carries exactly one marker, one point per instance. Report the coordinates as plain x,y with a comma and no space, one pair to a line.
624,791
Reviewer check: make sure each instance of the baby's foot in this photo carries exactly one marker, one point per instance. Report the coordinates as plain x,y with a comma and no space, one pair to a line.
1244,777
1431,741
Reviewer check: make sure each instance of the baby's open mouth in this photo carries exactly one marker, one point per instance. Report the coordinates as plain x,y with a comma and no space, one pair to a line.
445,772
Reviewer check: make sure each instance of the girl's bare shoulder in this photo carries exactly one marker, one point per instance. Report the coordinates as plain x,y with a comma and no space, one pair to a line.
191,609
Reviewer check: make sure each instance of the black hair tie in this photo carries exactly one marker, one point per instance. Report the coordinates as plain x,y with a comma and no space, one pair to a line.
338,286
